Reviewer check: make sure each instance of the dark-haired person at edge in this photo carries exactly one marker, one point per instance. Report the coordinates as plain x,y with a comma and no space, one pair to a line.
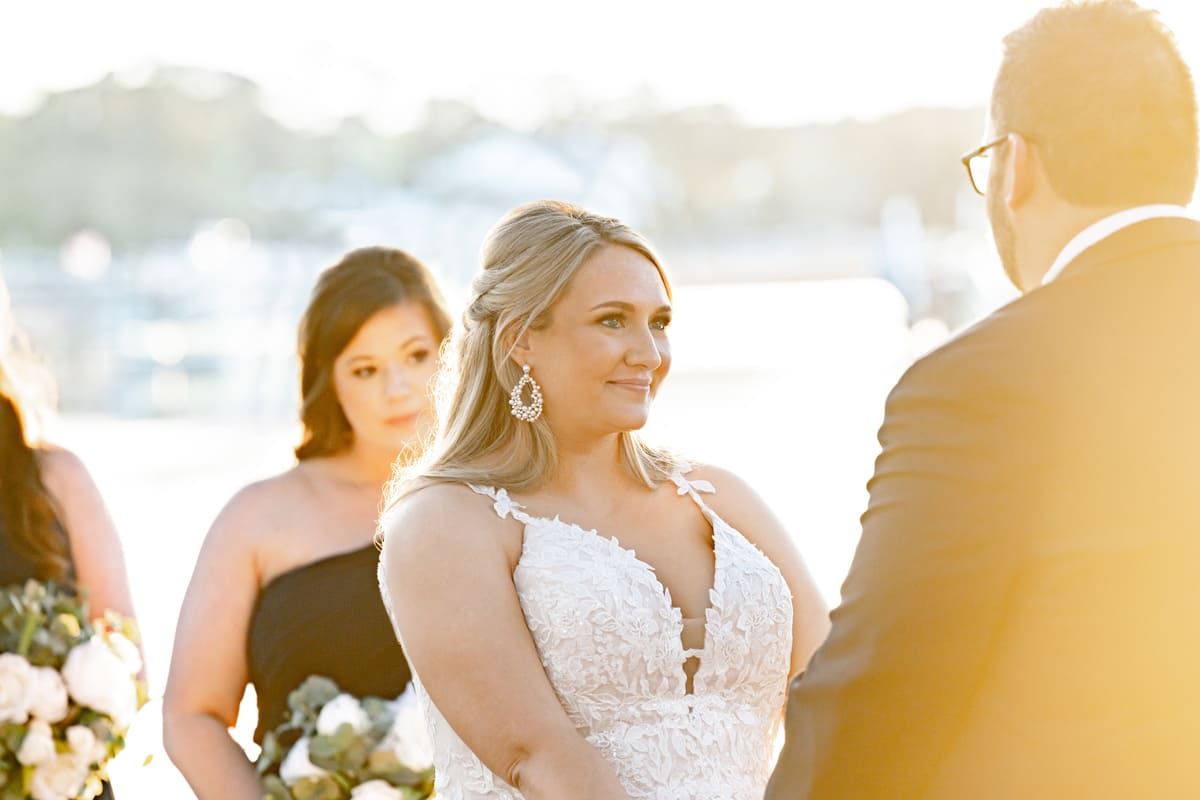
1019,619
285,586
54,526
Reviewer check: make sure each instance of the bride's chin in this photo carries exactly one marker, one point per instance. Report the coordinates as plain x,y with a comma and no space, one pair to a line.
630,424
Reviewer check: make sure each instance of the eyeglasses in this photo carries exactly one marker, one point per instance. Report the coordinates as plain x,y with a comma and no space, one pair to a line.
978,163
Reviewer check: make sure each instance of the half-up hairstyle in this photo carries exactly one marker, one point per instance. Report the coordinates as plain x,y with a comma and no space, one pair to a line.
528,260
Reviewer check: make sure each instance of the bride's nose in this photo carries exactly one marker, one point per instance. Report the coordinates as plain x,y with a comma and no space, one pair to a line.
644,350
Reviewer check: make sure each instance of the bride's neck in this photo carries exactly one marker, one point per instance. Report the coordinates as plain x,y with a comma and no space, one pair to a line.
594,465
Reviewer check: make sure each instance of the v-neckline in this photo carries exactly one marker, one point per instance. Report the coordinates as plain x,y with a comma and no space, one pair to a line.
661,589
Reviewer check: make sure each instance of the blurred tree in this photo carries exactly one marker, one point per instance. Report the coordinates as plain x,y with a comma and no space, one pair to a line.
152,162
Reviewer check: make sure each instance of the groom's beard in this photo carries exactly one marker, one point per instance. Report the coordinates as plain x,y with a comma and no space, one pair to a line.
1005,238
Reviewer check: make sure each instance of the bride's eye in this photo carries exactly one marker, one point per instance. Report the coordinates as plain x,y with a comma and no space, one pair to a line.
660,323
613,321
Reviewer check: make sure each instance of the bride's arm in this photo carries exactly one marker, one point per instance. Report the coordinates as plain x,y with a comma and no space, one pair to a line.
448,562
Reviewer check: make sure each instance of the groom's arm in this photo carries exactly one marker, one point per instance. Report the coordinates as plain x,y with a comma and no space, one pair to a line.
884,697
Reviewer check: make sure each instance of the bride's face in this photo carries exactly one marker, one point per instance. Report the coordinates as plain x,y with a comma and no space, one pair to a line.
605,351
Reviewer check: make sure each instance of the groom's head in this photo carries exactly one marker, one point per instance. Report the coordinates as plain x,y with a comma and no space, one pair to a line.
1098,112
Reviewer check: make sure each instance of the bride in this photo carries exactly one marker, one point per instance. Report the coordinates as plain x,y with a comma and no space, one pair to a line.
586,615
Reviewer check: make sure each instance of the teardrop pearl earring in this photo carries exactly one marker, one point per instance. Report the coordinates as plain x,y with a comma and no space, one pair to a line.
530,412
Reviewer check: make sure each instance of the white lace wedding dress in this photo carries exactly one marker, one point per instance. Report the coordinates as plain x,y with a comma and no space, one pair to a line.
610,641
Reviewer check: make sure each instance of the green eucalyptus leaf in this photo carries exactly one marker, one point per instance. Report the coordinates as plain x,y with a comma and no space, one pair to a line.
384,764
13,735
276,789
323,751
322,788
344,736
271,753
316,691
353,756
381,713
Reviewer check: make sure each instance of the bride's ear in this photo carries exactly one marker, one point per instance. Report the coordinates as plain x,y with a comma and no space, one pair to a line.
517,346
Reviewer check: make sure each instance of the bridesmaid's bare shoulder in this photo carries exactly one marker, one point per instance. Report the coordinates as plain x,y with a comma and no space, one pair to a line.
63,473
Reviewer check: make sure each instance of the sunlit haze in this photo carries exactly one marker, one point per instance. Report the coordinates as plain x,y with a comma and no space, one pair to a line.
160,245
774,63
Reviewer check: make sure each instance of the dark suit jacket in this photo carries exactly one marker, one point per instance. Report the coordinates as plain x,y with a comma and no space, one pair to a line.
1022,616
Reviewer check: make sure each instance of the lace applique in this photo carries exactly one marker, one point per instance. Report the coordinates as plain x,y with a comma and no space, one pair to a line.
610,641
501,502
690,487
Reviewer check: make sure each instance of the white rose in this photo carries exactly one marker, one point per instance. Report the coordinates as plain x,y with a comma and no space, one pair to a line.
85,746
92,788
126,651
38,745
14,688
344,708
376,790
408,737
97,678
61,778
47,695
297,765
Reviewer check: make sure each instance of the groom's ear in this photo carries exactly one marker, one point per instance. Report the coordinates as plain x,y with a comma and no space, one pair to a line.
1021,168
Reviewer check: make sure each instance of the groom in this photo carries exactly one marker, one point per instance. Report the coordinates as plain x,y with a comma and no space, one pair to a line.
1022,617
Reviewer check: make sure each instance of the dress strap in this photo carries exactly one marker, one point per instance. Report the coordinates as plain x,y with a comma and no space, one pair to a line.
693,488
502,503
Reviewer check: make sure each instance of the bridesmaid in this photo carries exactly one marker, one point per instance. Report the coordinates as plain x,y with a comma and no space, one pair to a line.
53,523
285,585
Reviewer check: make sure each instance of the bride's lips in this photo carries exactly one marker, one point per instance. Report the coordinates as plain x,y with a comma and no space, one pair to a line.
641,386
401,420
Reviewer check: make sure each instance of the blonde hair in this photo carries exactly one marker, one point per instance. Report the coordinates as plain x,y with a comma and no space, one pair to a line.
528,259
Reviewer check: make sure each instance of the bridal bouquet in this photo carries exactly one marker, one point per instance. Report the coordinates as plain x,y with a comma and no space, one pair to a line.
68,691
338,746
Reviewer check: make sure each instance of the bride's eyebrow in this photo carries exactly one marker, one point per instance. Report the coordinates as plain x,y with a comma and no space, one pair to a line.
623,306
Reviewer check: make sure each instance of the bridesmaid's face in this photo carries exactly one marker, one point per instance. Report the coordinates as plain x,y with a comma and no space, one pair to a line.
605,352
382,377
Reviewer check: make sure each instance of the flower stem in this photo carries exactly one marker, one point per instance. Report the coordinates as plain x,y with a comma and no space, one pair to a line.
27,631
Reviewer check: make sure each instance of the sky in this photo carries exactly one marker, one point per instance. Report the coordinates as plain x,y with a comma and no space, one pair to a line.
777,62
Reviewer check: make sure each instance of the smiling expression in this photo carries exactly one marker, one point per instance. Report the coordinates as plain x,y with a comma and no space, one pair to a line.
605,351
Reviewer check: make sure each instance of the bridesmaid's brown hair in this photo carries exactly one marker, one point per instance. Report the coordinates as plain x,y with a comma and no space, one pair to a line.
27,510
347,294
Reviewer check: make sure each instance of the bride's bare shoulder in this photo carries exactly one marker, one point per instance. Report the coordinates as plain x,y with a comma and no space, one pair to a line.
446,520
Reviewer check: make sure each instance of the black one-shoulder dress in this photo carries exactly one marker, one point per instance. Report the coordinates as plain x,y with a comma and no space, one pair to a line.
323,618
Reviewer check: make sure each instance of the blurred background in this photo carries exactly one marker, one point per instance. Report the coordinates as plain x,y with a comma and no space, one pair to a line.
174,176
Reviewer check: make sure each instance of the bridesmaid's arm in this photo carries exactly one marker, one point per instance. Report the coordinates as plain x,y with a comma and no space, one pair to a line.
208,666
448,563
740,506
95,546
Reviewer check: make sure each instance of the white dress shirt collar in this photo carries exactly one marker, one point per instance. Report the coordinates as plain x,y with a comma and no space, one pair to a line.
1107,226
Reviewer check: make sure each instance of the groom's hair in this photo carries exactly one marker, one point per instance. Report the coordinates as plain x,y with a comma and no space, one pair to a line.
1102,92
